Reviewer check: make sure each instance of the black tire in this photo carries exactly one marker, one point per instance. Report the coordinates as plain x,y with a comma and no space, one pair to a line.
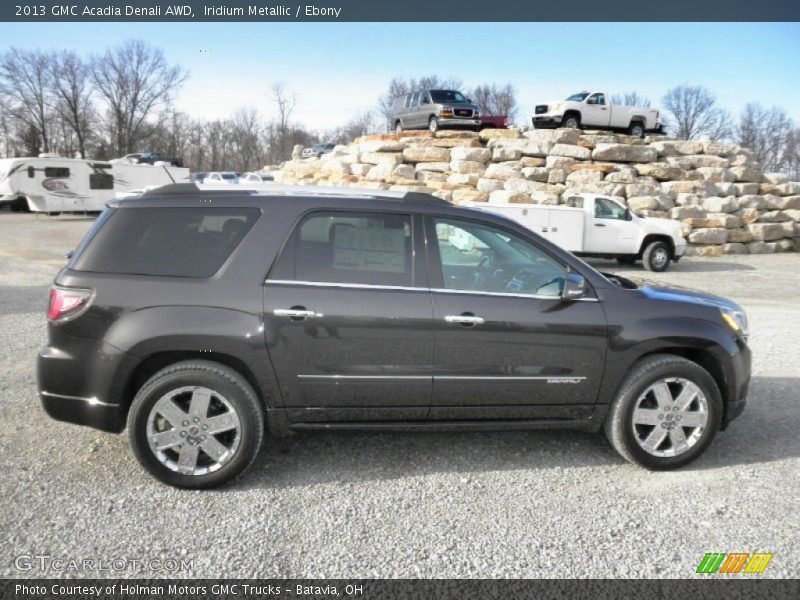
619,426
636,129
398,127
433,124
571,121
656,256
54,214
626,260
219,378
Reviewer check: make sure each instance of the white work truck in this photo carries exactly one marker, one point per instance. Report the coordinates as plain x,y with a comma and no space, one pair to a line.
595,110
600,227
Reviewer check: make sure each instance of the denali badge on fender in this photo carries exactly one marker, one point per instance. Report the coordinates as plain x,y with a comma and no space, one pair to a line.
196,319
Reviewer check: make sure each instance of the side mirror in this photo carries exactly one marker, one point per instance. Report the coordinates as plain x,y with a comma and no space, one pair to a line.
574,287
628,216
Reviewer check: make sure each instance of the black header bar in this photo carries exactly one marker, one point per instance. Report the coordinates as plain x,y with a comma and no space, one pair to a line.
288,11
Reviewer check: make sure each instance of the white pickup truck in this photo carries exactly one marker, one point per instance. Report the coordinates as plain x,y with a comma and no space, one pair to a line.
600,227
594,110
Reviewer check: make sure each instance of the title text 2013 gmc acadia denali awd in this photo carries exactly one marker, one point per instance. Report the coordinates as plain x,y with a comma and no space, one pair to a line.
203,320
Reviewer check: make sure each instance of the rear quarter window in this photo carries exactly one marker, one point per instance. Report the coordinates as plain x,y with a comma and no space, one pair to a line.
175,242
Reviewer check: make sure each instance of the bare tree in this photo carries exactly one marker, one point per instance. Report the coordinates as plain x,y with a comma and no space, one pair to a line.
24,78
630,99
399,86
284,102
693,113
791,154
765,131
246,133
362,123
494,100
72,93
135,80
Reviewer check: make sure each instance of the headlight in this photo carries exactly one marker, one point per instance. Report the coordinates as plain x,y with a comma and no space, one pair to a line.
736,320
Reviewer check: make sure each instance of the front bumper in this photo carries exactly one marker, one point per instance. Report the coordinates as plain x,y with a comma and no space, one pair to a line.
680,248
547,121
738,383
455,122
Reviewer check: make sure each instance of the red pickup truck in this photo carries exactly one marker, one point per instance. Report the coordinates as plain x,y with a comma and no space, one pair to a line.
490,122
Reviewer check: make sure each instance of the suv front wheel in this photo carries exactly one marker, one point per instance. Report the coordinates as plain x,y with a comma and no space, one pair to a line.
196,424
433,124
666,414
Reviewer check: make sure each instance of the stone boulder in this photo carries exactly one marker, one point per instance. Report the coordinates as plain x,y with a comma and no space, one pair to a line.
711,235
418,154
624,153
471,154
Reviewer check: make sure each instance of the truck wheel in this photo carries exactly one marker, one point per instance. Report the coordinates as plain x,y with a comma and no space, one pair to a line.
626,260
196,424
433,124
636,129
656,256
398,127
666,413
571,122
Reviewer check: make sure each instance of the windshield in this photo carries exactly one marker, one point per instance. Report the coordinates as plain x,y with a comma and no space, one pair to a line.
448,97
579,97
228,176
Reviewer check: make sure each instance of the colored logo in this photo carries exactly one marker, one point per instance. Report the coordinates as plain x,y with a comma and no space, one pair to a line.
734,562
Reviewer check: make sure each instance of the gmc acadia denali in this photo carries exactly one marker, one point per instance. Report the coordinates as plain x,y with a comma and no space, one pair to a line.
202,320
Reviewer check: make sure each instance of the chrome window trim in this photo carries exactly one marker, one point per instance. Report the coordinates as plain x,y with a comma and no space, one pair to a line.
369,286
357,286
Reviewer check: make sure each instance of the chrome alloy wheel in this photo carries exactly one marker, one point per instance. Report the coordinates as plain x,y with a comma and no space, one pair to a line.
669,417
660,257
193,430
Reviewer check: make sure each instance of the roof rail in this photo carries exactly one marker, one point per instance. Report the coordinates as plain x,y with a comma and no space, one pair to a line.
180,189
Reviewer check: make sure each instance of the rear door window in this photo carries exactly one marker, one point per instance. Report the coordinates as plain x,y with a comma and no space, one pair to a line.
349,248
177,242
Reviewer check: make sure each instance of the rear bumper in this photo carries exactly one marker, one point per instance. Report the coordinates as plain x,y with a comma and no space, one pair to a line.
82,391
90,412
547,121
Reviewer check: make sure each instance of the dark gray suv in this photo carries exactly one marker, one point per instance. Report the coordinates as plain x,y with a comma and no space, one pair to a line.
204,319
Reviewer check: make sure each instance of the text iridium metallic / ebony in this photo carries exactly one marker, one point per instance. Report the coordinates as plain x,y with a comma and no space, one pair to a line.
198,319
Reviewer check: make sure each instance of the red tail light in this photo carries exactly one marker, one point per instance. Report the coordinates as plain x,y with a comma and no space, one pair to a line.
67,302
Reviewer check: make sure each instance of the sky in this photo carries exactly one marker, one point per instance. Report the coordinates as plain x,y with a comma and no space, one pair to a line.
337,69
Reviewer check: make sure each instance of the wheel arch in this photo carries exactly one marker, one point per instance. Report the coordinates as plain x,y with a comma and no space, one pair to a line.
151,364
572,112
657,237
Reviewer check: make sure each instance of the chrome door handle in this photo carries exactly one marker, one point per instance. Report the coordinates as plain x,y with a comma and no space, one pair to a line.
295,313
465,319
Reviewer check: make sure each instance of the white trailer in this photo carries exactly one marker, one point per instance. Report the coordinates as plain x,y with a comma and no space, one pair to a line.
600,227
55,185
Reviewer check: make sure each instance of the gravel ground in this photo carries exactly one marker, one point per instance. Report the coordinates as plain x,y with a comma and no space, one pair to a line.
519,504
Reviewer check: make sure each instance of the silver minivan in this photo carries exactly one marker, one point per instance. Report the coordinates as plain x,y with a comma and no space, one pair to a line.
434,110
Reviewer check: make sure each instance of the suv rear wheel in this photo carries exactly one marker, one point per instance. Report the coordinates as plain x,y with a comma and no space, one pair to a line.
196,424
398,127
666,413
